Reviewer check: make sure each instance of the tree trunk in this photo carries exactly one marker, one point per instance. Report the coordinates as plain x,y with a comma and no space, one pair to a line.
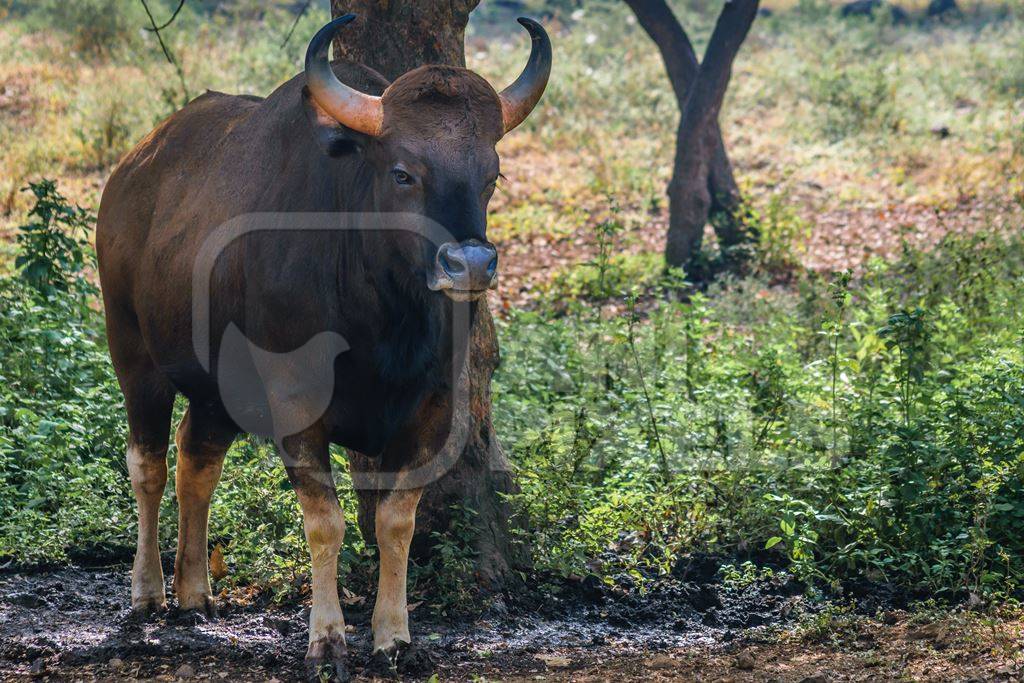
393,37
721,199
698,139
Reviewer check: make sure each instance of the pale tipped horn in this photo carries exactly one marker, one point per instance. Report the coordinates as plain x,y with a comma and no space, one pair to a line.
358,111
519,99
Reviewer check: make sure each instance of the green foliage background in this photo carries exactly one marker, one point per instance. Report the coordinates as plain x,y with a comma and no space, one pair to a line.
860,427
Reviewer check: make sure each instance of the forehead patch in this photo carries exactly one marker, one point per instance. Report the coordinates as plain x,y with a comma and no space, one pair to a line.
449,98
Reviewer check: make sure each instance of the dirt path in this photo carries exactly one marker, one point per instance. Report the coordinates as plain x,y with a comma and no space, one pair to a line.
74,624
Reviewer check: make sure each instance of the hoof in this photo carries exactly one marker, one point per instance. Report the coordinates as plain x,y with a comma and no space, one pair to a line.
148,606
327,660
384,662
408,658
204,605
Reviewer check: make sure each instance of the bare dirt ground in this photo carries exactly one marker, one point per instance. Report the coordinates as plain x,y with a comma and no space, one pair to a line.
73,624
838,239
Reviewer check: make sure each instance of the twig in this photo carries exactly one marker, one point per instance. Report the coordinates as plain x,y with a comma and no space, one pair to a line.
295,23
155,29
631,339
167,52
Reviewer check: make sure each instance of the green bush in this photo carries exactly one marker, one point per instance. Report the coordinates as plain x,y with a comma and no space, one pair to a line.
868,427
782,233
890,449
53,245
853,95
95,27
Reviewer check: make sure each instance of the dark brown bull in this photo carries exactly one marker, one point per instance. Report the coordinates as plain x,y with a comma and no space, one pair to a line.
340,335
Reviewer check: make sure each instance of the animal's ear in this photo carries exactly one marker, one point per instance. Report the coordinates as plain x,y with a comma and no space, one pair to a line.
335,139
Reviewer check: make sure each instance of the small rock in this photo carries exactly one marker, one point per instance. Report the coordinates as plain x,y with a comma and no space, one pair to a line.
745,661
927,632
27,600
663,662
38,667
185,671
115,663
554,661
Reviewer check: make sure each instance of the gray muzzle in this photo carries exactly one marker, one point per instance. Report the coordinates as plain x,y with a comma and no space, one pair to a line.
465,270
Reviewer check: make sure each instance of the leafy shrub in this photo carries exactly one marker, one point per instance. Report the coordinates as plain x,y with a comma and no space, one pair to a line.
890,450
53,245
96,27
853,95
782,233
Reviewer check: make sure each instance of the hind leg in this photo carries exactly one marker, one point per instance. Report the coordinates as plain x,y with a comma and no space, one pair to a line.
202,442
149,399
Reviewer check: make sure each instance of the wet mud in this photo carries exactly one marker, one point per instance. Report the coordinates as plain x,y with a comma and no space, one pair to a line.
74,623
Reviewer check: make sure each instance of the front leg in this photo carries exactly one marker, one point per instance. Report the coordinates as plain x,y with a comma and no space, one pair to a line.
309,469
395,523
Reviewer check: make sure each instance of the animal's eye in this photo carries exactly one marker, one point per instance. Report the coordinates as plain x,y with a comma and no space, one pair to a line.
401,177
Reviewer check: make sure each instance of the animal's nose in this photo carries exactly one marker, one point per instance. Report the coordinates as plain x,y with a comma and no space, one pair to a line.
471,265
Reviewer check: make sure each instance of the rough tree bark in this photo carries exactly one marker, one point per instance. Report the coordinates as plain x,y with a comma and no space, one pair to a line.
392,37
720,202
395,36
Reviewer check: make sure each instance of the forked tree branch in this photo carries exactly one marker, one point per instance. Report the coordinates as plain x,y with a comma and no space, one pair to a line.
154,29
163,46
699,149
704,100
682,67
660,23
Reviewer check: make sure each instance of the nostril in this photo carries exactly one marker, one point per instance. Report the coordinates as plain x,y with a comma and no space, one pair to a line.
451,266
492,266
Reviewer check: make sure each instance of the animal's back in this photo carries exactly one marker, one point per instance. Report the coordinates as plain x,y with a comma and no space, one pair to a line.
152,180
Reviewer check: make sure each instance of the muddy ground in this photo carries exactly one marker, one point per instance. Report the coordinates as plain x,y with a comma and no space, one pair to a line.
74,624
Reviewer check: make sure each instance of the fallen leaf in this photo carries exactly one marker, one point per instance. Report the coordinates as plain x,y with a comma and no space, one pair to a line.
218,567
350,598
414,605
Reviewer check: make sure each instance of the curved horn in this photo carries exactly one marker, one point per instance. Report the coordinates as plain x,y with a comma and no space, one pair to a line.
358,111
519,99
